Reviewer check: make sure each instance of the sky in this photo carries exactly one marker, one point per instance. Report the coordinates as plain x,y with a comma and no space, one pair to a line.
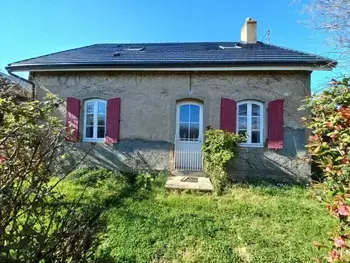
38,27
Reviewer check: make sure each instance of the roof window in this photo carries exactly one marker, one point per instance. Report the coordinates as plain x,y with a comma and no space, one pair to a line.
236,45
134,49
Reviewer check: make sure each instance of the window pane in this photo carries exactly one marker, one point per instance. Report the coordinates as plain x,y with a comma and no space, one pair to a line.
90,107
100,132
184,131
184,113
256,123
101,107
90,119
194,131
101,119
194,111
255,136
89,133
242,132
242,123
255,110
242,110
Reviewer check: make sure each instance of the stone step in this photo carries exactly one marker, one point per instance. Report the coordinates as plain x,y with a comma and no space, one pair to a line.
189,182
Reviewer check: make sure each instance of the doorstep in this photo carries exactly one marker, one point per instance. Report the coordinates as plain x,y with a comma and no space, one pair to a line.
190,182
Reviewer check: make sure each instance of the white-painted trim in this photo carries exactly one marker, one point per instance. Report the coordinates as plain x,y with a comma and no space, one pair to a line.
94,139
256,68
249,122
200,105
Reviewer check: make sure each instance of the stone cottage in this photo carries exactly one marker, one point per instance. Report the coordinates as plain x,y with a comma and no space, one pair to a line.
147,105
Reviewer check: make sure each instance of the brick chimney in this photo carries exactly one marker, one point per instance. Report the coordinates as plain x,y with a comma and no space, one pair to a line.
249,31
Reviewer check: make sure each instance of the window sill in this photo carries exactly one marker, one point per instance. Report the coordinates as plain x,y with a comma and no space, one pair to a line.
250,145
102,140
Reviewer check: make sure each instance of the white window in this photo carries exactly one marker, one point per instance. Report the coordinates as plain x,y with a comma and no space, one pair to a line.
94,120
250,121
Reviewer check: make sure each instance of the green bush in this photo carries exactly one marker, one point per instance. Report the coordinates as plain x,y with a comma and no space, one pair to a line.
330,148
219,148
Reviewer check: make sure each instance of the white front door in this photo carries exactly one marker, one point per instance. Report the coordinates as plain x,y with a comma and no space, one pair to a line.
189,136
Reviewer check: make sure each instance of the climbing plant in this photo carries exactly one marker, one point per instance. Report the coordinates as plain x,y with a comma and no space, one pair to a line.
329,146
219,148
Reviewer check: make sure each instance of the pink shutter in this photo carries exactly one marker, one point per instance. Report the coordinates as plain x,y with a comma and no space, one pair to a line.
72,119
228,115
113,117
275,125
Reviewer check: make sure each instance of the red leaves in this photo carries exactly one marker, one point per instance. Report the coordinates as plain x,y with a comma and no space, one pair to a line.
334,255
339,242
3,159
343,209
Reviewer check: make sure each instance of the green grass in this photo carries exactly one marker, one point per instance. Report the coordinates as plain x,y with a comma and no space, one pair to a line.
247,224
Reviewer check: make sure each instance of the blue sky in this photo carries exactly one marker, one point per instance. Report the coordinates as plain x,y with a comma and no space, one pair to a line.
33,28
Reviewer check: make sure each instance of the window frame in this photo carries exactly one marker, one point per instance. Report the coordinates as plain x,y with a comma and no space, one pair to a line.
177,133
249,122
95,125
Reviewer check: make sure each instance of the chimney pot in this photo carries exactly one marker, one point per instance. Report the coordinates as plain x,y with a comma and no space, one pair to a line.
249,31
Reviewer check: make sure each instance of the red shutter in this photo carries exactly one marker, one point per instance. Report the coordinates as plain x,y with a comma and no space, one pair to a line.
275,125
113,117
228,115
72,119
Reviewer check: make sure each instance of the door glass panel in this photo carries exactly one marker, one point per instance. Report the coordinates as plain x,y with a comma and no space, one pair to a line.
194,131
255,110
184,131
242,110
185,113
194,113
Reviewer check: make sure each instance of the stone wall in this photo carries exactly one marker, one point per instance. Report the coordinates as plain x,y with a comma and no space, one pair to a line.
148,114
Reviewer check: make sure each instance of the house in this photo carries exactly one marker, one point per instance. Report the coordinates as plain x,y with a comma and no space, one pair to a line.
146,106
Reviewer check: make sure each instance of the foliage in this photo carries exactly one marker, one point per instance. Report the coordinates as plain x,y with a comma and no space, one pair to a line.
330,148
219,148
37,224
255,223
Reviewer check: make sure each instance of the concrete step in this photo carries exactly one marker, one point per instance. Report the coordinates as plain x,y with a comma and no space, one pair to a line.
189,182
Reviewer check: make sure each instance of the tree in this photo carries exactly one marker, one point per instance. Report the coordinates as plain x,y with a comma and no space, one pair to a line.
37,224
329,146
331,17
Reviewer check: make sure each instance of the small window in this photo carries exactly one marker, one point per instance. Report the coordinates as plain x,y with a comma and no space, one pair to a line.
250,122
134,49
94,120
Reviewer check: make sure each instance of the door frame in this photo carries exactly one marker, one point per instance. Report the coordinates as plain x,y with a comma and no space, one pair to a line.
177,120
188,154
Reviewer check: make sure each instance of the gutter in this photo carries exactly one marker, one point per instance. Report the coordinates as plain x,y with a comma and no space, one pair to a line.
23,79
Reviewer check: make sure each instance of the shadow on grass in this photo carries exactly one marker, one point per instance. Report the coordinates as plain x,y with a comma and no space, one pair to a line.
96,191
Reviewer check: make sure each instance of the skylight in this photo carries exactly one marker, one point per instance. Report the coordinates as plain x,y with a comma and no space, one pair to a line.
230,47
134,49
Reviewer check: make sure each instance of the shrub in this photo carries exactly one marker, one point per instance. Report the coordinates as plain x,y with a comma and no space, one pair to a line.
219,148
37,224
329,146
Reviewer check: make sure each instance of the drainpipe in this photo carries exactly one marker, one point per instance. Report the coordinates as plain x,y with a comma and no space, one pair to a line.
25,80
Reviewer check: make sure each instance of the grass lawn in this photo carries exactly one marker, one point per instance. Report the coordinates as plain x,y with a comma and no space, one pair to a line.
247,224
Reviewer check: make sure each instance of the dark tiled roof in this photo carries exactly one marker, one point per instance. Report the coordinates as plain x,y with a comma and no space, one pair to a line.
194,54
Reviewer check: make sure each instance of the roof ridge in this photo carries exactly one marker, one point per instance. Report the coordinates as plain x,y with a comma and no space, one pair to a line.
54,53
300,52
159,43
